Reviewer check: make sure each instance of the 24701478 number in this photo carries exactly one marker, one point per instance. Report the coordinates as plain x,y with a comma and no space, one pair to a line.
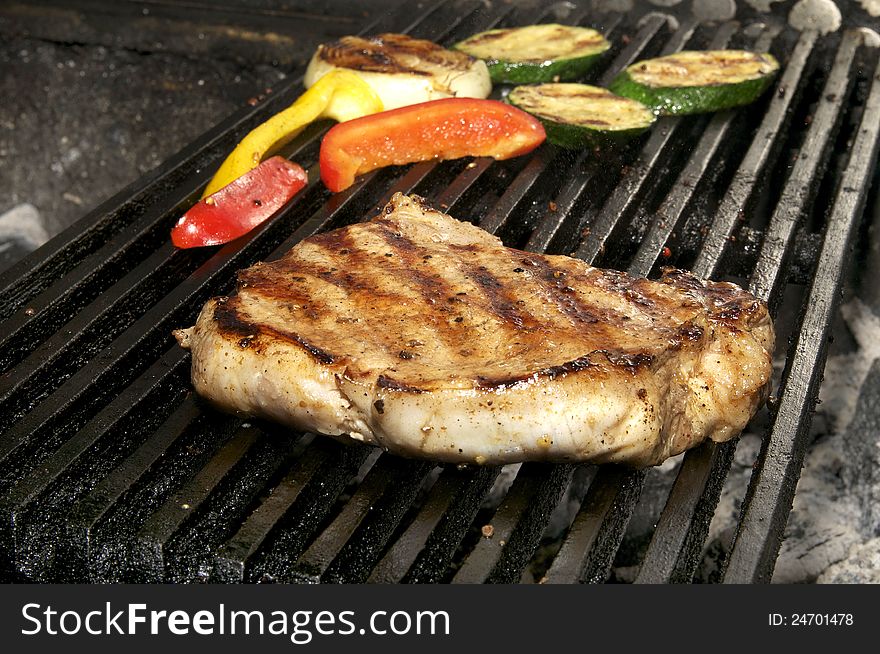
811,620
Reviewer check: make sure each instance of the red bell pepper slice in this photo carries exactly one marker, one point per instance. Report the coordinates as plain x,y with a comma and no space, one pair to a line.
241,205
439,129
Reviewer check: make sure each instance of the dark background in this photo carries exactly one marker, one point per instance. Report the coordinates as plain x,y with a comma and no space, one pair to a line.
96,93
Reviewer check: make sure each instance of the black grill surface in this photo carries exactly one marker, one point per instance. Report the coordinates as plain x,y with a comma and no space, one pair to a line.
111,469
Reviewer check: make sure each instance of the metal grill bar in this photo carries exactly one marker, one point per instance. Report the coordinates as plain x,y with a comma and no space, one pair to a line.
613,495
88,332
633,185
517,525
286,540
80,530
32,542
235,557
157,388
598,527
773,483
424,551
801,186
363,550
453,193
179,539
389,472
822,128
759,157
47,312
587,168
673,553
444,15
710,463
26,495
668,216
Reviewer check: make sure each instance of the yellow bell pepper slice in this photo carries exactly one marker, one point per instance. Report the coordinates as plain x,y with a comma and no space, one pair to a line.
340,95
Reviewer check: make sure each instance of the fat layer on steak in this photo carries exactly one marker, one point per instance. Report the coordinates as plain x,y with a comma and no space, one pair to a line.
426,336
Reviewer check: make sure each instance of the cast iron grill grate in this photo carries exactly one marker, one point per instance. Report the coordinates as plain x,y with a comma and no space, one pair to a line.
111,470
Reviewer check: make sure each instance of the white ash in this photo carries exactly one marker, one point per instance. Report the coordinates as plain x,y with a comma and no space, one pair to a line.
861,565
727,513
23,224
870,38
502,484
714,10
820,15
845,373
824,521
871,6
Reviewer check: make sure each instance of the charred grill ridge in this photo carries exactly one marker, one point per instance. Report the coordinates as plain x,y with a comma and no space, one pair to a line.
498,299
564,298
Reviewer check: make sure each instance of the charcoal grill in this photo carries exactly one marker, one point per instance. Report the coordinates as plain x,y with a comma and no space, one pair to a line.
112,470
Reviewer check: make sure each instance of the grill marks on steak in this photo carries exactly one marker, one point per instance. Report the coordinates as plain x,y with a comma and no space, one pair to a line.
517,304
476,352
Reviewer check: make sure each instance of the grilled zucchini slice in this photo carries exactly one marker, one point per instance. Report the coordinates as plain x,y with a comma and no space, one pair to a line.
579,115
691,82
536,53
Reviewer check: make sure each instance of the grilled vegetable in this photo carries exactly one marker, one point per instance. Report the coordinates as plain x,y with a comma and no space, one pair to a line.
237,208
440,129
537,53
578,115
403,70
340,96
692,82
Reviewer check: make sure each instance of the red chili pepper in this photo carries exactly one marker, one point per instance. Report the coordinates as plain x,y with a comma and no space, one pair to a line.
241,205
439,129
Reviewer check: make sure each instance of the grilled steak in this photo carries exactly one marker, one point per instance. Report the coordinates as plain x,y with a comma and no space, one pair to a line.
424,335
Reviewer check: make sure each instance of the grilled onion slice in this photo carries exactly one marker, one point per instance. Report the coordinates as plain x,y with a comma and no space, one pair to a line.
403,70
